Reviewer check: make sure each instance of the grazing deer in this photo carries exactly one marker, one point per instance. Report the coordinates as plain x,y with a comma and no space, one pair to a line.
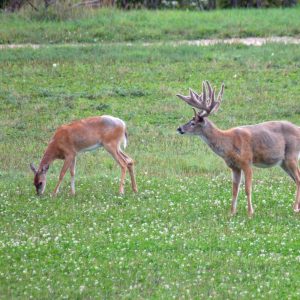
263,145
80,136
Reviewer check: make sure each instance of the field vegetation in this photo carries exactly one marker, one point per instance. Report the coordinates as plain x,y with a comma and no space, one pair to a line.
111,25
175,239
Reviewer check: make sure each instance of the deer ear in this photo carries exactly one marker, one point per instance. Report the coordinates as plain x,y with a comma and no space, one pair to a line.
32,167
45,168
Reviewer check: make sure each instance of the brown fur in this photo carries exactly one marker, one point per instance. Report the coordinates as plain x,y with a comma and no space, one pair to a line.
263,145
84,135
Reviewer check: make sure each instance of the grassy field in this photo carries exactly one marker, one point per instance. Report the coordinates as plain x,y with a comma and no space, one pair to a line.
175,238
109,25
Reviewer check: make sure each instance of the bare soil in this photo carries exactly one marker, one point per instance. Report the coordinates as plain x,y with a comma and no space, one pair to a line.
250,41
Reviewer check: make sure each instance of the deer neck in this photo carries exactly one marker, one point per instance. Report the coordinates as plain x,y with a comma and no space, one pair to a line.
47,158
214,138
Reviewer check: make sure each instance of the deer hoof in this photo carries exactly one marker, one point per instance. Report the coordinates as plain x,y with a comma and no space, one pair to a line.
233,210
250,213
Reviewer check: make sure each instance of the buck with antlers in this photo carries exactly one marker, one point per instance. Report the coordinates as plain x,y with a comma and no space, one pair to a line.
80,136
263,145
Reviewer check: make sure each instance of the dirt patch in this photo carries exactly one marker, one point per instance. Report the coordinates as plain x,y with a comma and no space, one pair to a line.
250,41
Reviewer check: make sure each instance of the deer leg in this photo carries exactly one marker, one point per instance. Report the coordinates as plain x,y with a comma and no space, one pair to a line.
63,171
292,169
236,180
130,163
72,172
121,161
248,189
288,171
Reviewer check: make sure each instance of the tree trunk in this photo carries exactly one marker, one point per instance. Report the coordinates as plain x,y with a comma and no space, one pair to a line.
211,4
14,5
234,3
258,3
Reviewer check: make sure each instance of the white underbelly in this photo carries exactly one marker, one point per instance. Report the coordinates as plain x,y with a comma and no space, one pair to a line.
262,165
91,148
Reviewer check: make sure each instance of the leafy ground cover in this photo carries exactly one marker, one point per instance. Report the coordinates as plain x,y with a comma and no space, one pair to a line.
107,25
175,238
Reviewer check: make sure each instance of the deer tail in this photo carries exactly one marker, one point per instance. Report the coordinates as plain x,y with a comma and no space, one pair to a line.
125,140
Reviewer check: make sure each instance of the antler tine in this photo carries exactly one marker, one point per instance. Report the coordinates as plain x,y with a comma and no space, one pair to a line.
184,98
203,91
206,105
216,104
210,99
209,88
200,103
192,99
220,95
195,96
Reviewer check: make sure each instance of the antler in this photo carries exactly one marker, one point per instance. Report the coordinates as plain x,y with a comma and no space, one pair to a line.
207,105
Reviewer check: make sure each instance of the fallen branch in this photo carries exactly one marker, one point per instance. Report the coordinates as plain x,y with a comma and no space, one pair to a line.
85,3
32,5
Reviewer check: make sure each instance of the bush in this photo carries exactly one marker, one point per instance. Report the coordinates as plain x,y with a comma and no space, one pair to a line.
65,9
255,3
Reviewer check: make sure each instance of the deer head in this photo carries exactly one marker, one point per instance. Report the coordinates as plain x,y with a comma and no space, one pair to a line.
39,178
205,103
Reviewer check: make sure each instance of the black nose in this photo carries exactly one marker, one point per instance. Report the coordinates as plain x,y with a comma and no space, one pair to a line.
180,130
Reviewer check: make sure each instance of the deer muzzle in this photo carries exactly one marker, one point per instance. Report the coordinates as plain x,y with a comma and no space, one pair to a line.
179,129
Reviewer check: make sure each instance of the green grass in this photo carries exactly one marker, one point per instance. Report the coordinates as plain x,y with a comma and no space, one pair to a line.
175,238
109,25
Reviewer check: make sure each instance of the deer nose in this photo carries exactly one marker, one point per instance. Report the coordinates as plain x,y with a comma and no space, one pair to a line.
179,129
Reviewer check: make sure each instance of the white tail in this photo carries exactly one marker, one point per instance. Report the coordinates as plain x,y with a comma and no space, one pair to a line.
125,140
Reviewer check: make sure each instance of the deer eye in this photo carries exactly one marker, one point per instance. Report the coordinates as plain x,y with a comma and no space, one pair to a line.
193,123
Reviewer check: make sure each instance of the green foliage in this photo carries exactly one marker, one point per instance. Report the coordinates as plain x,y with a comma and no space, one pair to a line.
116,26
60,11
174,239
256,3
2,4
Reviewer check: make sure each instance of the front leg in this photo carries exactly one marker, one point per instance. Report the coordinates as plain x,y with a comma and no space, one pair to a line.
66,166
248,188
236,180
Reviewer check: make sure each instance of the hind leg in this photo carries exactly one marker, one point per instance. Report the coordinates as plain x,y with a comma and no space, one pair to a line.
292,169
129,163
72,172
113,150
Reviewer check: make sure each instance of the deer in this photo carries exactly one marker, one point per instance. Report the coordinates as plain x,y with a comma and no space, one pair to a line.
262,145
80,136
